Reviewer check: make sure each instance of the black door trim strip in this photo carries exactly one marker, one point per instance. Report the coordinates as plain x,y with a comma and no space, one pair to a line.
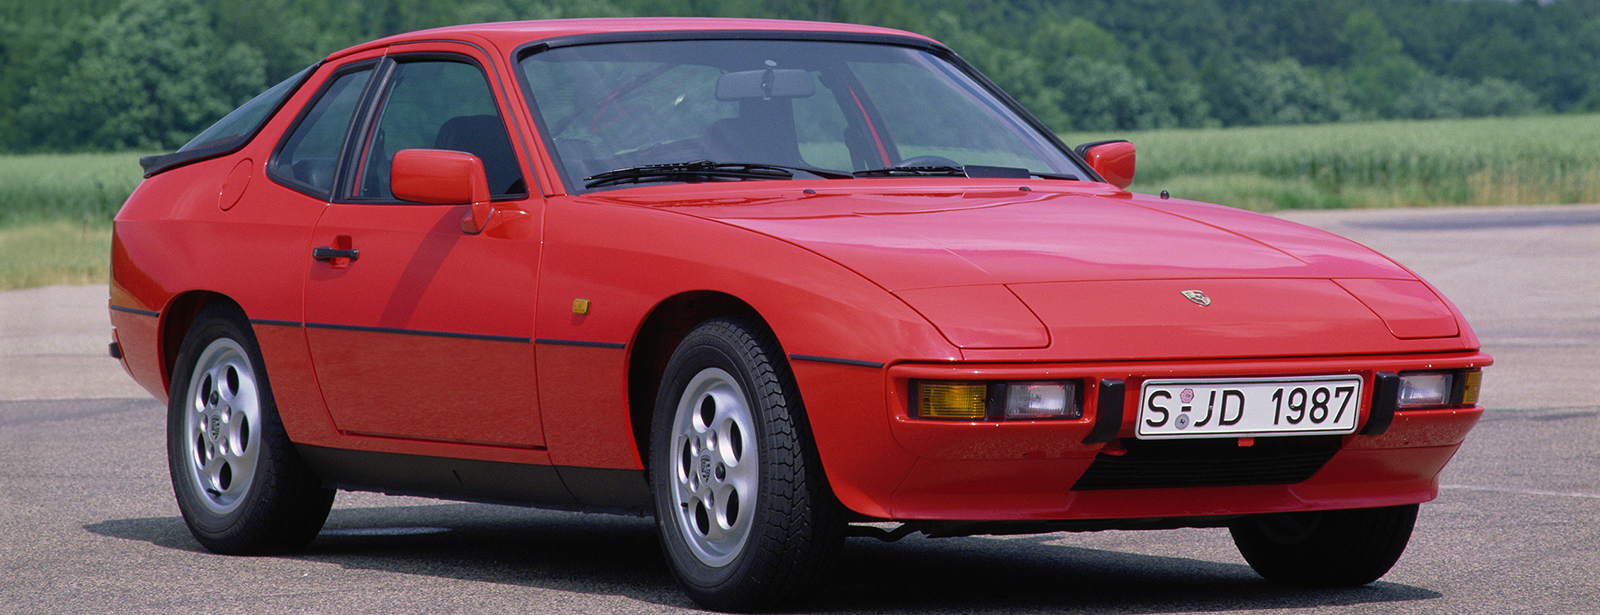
276,323
118,308
463,336
835,361
580,343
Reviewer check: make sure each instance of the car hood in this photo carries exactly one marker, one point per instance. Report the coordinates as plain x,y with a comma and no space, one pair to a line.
925,239
997,267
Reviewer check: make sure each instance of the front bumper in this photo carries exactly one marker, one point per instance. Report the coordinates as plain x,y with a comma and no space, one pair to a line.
906,468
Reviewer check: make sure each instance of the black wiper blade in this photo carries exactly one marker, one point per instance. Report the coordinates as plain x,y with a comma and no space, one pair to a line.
912,172
696,171
971,170
702,170
823,173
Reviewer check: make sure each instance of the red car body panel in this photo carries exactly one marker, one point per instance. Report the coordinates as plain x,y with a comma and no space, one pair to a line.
533,344
419,274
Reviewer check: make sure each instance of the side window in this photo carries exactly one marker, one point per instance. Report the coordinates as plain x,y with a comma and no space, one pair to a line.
437,104
309,155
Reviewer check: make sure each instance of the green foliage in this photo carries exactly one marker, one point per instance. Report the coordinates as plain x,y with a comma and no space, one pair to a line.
1280,92
150,74
1073,77
1380,72
1084,94
1433,96
87,75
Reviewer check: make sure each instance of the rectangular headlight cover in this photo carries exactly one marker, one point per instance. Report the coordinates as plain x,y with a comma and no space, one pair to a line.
997,401
1423,390
1042,400
1439,389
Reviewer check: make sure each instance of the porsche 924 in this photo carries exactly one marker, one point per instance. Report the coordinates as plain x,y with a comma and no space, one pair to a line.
774,283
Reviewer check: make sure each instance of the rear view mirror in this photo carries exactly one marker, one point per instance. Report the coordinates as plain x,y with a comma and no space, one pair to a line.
443,177
1113,160
438,177
765,85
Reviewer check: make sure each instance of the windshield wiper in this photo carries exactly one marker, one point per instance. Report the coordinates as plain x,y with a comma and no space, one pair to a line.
971,170
702,170
696,171
911,172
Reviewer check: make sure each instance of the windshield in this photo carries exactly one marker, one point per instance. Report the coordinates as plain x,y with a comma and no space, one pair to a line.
646,109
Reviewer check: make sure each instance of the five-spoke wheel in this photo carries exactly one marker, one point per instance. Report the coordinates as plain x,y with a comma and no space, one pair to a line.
240,483
715,469
223,405
746,519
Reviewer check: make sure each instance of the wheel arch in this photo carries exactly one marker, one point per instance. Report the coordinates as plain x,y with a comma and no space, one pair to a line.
176,319
657,338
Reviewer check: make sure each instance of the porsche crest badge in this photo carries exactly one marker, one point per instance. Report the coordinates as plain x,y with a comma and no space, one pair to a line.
1199,298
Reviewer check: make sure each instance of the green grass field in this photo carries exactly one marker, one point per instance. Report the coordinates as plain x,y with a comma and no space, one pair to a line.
55,216
74,187
56,210
1495,161
54,252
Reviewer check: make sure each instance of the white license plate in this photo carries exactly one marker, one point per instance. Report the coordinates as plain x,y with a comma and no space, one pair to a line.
1184,408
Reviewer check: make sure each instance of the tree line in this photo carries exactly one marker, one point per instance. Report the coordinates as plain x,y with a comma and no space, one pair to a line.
99,75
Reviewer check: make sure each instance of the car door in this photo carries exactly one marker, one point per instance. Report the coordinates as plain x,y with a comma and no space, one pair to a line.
417,329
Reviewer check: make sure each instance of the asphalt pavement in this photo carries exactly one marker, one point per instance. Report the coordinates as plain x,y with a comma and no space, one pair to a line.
88,524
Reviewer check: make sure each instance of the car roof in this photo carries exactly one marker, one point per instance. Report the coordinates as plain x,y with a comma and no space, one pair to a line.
510,34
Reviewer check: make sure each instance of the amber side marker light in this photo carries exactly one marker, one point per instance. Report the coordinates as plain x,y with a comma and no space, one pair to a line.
997,401
1470,383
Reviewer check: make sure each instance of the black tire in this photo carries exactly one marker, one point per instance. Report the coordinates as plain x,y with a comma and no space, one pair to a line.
745,516
1332,548
240,484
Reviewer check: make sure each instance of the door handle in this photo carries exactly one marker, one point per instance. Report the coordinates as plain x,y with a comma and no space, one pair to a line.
326,253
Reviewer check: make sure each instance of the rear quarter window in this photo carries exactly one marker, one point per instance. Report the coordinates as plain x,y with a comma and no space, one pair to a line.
231,132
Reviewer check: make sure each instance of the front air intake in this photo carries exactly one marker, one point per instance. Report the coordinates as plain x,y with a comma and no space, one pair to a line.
1209,463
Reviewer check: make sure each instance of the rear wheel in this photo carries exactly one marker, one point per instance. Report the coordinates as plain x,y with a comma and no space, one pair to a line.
745,516
1330,548
240,484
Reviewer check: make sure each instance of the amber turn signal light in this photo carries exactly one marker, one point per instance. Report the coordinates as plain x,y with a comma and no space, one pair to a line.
997,401
1470,385
953,400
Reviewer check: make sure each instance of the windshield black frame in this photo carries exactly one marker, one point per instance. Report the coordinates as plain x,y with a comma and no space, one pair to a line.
574,181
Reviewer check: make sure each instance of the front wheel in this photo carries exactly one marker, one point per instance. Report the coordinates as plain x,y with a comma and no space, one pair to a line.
240,484
745,516
1329,548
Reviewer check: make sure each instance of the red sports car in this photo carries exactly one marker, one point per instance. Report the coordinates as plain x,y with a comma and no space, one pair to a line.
775,283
